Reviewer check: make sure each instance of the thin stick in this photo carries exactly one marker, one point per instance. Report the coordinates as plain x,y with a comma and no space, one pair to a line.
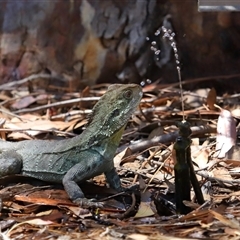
27,79
57,104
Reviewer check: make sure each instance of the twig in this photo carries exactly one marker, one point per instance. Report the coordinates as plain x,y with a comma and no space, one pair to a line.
27,79
71,114
130,209
197,80
158,170
38,130
57,104
205,175
147,161
166,138
10,113
144,173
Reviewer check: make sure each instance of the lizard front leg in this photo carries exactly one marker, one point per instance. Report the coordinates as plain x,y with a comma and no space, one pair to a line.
10,163
84,170
113,179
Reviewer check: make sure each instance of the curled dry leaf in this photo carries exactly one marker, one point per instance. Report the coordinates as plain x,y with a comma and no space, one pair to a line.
118,158
211,99
226,133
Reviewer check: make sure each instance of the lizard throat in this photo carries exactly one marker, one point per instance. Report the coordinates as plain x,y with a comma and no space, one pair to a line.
116,137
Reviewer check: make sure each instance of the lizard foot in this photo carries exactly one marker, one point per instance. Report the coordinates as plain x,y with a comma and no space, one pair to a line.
86,203
132,188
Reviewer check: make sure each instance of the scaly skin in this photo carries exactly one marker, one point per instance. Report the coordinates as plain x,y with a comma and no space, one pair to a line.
74,160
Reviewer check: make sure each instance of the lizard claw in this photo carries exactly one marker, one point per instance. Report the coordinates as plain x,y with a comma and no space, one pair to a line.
86,203
132,188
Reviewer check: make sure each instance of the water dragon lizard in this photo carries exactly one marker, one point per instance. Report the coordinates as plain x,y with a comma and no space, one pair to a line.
71,161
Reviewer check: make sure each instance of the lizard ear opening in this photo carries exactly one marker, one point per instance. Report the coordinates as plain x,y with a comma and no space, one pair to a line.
115,113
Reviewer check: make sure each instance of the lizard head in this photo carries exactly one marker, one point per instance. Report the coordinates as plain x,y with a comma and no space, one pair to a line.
112,112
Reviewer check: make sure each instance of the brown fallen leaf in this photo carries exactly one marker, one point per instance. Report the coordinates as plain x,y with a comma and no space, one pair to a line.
23,102
36,222
119,157
222,172
137,236
145,209
34,127
228,222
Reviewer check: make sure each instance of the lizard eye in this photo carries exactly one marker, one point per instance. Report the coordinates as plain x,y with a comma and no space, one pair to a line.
128,94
